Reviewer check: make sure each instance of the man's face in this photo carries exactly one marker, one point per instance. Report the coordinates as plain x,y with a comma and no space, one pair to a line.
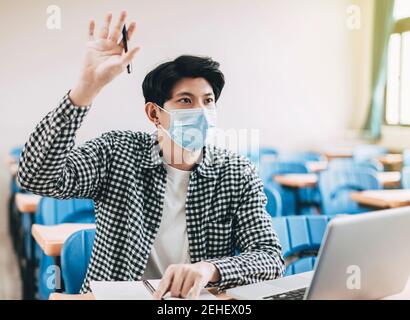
187,93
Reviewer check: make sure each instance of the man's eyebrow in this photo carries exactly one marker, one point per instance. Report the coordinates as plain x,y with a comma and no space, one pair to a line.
185,93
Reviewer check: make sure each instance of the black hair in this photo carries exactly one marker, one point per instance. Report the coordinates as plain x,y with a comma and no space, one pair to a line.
158,83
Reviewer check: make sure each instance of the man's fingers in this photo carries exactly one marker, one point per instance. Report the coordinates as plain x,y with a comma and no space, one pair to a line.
115,34
162,288
131,29
196,289
177,283
130,32
106,27
164,284
127,58
91,28
188,284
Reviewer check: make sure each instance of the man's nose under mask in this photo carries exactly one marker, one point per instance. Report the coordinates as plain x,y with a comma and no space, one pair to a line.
189,128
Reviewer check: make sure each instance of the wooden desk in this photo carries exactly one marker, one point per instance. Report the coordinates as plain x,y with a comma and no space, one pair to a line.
317,166
404,295
383,199
337,154
9,159
11,164
51,238
309,180
391,159
297,180
90,296
27,203
390,179
13,168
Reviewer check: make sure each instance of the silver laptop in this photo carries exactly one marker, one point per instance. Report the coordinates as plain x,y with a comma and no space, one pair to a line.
364,256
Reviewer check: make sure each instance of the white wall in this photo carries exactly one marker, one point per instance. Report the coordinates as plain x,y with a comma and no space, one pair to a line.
360,55
291,65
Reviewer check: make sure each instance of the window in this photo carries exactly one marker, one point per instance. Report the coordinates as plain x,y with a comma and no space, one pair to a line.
401,9
398,67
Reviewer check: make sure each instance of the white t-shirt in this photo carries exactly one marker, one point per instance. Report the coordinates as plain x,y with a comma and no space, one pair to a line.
171,244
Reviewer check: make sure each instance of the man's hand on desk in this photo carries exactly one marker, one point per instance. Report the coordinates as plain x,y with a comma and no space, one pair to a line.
181,279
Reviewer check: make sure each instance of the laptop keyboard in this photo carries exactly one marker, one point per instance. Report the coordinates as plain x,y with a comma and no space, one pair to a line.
297,294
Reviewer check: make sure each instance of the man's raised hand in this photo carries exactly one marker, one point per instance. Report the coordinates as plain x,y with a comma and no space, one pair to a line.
104,59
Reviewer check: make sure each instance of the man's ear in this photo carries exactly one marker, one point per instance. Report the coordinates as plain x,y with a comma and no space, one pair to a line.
152,112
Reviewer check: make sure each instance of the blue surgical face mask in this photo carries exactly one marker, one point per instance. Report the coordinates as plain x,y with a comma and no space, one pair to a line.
189,127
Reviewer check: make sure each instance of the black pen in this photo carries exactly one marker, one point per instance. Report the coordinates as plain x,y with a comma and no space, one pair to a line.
124,41
149,287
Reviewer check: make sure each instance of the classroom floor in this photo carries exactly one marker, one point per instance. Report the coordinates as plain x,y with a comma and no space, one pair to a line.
10,283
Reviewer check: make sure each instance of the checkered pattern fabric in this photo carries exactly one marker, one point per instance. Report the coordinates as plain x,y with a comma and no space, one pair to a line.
122,172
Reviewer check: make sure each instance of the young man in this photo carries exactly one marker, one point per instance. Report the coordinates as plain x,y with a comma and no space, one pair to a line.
167,205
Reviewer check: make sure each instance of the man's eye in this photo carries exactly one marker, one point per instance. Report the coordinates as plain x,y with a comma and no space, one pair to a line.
184,100
209,100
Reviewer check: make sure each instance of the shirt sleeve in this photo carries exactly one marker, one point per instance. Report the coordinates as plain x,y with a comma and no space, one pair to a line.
51,166
260,255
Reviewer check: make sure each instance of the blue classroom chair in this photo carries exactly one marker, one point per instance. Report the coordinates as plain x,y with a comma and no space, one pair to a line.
367,152
52,211
300,237
268,152
305,156
405,177
13,214
274,204
406,157
289,197
55,211
350,164
263,154
270,168
75,256
16,152
292,200
14,217
336,185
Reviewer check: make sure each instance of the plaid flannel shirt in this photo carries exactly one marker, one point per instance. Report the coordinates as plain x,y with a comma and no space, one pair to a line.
122,172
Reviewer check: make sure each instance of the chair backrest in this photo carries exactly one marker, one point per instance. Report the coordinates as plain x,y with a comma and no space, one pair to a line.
350,164
268,169
14,187
274,204
75,256
264,153
52,211
303,264
268,152
406,157
301,156
367,152
405,177
300,237
336,185
16,152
